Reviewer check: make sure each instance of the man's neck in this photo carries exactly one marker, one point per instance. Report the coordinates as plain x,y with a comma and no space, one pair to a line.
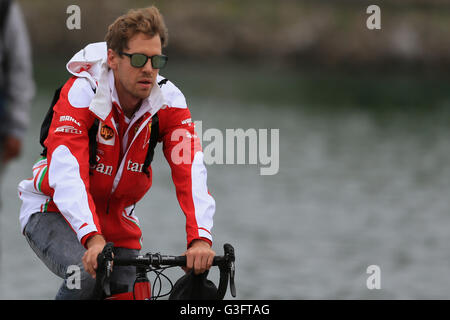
128,102
129,107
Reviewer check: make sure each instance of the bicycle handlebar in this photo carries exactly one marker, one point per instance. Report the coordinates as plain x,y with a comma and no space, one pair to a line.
105,260
157,260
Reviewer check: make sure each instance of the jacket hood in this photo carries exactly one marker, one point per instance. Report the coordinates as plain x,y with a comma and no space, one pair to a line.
91,63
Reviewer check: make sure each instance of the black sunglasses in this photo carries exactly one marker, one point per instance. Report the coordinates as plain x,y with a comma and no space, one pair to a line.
138,60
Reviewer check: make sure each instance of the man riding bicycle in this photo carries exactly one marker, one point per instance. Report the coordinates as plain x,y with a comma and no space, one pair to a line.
79,199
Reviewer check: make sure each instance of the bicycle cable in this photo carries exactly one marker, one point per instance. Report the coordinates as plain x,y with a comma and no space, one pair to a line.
158,274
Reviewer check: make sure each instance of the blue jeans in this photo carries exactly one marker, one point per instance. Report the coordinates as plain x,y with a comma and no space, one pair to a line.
56,244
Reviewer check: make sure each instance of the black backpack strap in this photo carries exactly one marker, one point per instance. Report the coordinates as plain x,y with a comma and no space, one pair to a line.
45,127
93,143
154,135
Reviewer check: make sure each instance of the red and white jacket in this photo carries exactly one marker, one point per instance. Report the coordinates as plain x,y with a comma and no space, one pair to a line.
101,200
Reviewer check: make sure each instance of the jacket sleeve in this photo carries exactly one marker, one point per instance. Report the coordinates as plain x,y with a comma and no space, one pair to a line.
19,78
183,152
68,158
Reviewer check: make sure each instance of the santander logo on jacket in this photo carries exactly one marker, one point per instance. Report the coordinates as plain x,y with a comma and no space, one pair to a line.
101,199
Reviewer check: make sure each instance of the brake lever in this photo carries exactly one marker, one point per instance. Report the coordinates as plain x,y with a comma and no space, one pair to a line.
229,253
104,261
232,286
108,268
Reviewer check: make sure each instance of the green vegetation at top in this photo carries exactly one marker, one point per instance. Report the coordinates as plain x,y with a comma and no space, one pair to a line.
297,33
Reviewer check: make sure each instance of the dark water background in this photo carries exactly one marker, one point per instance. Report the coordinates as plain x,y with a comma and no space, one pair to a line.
364,179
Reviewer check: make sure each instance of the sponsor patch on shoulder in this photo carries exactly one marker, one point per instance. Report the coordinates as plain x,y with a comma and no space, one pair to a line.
68,129
69,118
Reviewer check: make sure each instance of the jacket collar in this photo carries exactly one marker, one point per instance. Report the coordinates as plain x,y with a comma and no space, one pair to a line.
106,94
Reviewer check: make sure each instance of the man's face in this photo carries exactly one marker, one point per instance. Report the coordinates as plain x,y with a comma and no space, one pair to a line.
134,84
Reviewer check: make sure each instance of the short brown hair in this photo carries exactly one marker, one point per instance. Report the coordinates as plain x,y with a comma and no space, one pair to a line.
146,20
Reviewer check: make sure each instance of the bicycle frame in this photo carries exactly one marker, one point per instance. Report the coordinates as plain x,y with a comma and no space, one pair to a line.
141,289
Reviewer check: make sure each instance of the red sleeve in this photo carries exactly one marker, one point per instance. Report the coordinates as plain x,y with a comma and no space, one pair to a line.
68,158
182,149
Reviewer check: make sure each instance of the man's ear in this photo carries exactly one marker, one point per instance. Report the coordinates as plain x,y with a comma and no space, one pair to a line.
112,59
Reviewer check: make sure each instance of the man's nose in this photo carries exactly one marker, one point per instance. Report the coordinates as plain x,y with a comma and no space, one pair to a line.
148,66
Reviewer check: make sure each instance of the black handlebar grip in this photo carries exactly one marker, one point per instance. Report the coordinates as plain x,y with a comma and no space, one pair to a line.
181,261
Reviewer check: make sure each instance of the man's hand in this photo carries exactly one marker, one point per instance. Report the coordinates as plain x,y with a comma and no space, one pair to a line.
95,245
199,256
11,148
